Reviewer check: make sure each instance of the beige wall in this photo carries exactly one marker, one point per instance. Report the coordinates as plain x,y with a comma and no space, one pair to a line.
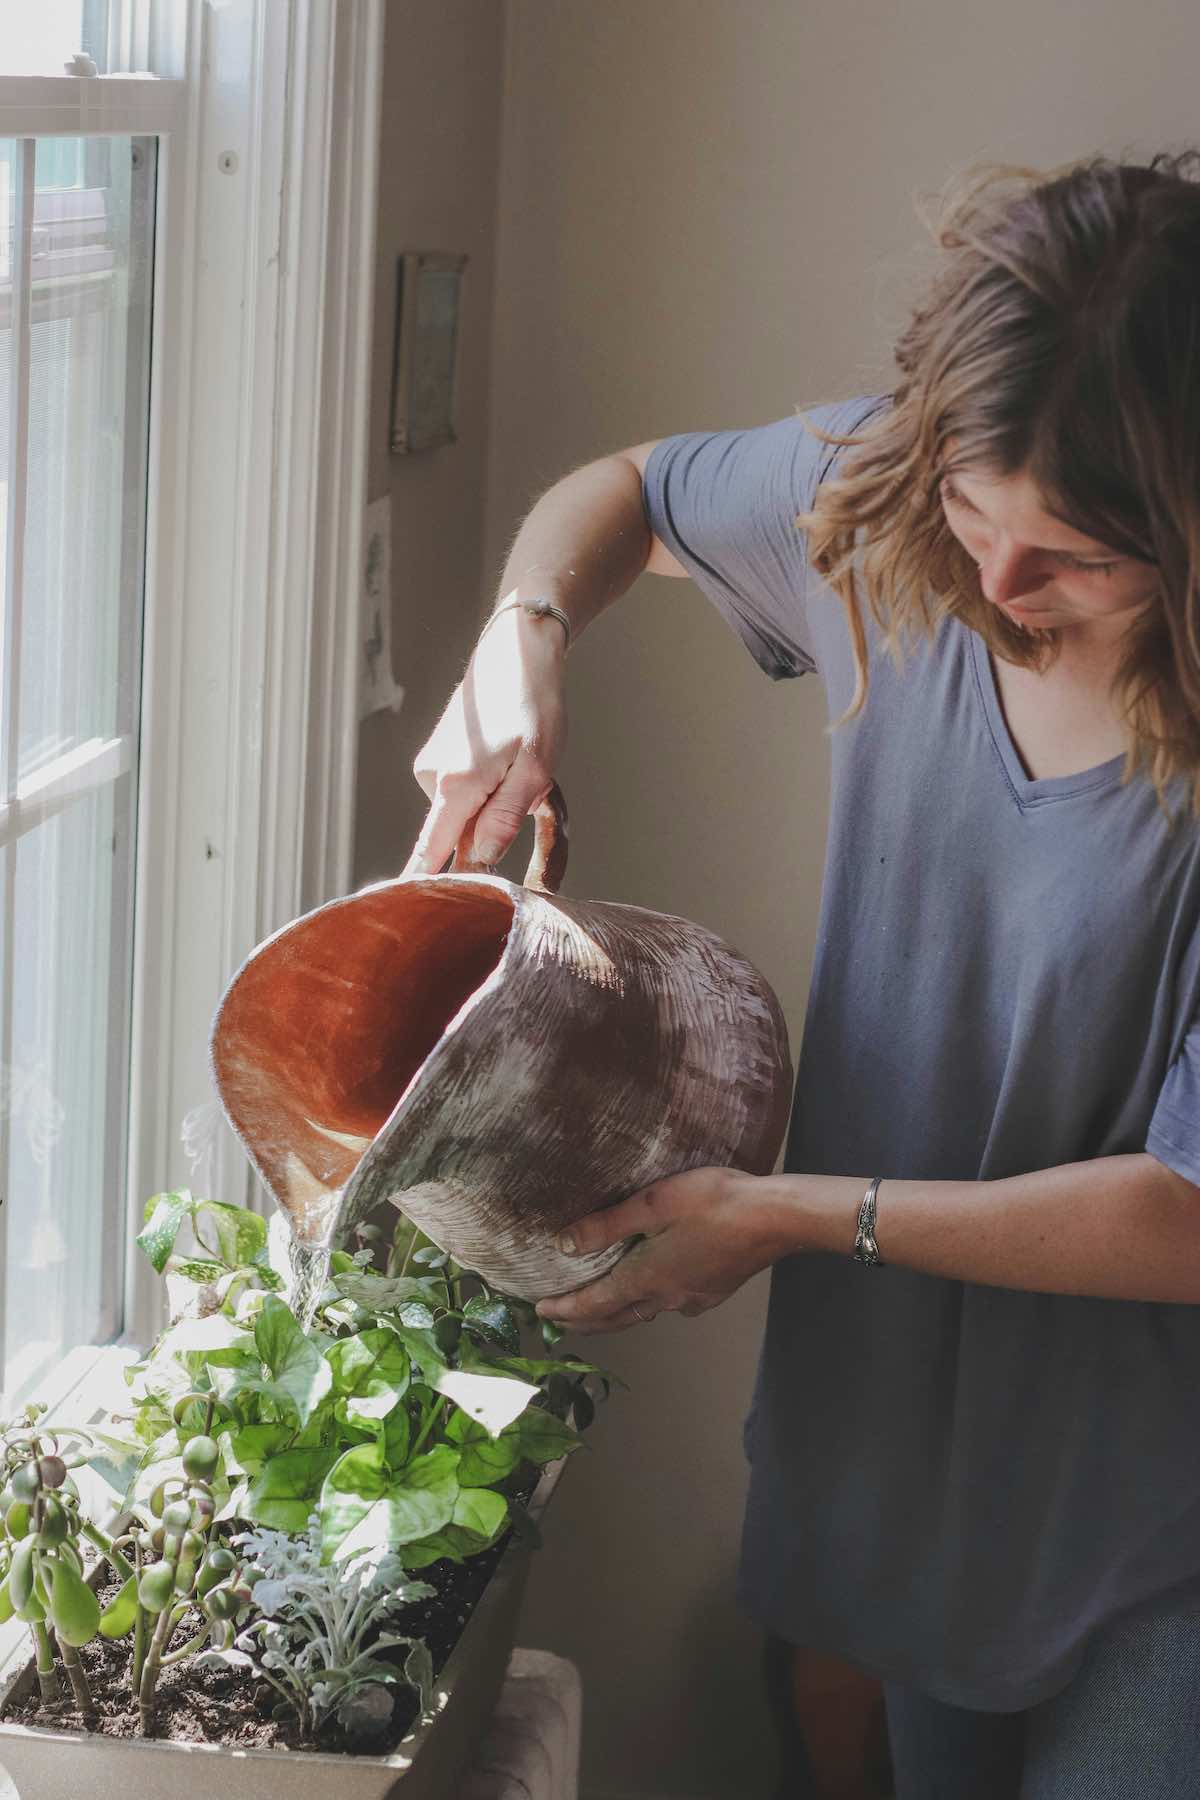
705,216
439,153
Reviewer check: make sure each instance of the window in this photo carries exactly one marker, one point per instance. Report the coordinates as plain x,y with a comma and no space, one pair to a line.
76,259
186,268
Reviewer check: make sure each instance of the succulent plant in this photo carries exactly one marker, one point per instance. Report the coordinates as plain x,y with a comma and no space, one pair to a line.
189,1571
41,1558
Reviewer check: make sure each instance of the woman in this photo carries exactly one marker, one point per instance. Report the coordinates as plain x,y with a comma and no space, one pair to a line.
975,1442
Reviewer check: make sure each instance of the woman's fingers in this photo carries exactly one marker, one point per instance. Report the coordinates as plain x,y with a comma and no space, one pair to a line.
639,1215
450,812
604,1305
502,816
491,793
498,817
619,1321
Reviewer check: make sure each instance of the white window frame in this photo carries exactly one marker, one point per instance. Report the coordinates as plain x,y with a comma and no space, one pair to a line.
267,115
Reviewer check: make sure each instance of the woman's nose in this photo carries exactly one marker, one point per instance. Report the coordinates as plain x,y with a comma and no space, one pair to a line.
1007,572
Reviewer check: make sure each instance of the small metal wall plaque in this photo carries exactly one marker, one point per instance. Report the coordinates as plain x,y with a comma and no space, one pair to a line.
427,302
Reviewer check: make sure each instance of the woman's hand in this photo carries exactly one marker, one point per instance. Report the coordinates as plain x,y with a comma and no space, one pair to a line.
493,753
703,1234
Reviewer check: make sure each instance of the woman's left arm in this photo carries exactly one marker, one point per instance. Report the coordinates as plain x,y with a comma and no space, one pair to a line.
1118,1227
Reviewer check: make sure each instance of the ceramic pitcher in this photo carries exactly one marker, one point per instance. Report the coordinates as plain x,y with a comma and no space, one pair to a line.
496,1060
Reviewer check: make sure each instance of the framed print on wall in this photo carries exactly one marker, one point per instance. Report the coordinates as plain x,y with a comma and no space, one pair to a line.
428,288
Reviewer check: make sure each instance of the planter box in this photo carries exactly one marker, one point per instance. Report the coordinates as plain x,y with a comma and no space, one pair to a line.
52,1764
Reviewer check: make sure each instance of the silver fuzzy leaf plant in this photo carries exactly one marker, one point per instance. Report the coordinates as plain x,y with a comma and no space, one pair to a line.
309,1640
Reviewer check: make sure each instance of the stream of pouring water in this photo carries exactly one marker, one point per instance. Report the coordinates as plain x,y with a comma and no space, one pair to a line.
310,1273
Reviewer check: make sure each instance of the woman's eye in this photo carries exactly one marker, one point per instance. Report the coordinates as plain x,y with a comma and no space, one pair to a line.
1090,568
952,497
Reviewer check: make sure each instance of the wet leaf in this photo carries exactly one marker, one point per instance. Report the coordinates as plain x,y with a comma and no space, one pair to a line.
371,1372
295,1361
387,1293
416,1313
164,1215
491,1317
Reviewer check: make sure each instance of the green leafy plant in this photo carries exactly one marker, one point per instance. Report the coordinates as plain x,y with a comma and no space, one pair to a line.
442,1287
321,1640
232,1241
401,1425
404,1417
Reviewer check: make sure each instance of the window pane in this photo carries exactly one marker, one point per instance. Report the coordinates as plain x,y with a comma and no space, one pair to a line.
65,1067
90,317
75,281
38,36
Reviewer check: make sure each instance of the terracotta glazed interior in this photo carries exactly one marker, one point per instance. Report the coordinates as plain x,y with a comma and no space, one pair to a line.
326,1027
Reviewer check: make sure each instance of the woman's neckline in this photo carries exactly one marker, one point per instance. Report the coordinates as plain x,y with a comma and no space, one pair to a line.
1031,788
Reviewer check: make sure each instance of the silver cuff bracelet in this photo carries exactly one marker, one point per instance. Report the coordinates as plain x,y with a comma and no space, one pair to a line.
866,1250
537,609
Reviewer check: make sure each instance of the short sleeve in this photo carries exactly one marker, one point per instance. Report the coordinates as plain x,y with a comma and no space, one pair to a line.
725,504
1174,1135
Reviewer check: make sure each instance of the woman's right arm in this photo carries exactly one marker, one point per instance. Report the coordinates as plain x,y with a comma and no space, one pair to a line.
493,753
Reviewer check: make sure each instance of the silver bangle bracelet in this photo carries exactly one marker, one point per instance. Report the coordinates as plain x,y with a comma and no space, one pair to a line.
537,609
866,1250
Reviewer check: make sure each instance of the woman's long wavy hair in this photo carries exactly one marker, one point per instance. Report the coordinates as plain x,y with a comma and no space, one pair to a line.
1060,338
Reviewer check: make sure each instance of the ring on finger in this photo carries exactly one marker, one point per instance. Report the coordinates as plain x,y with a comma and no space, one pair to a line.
636,1309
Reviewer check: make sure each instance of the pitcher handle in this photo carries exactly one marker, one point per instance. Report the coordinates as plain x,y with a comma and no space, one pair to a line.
548,862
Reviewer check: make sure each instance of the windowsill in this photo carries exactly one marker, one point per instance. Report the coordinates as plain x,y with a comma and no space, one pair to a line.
147,104
86,1385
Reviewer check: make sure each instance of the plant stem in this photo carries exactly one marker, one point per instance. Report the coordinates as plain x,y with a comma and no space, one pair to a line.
403,1269
189,1649
439,1405
139,1628
295,1701
212,1255
139,1648
78,1680
147,1706
106,1548
164,1626
47,1674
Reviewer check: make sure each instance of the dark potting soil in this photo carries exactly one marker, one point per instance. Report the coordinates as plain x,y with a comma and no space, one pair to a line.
219,1706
